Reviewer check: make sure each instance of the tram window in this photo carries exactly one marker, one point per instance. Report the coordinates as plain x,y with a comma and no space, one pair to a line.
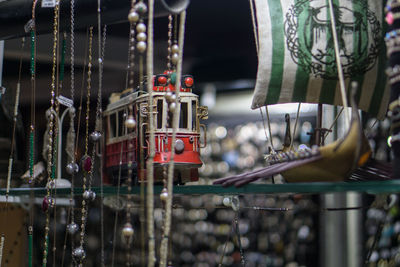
170,116
159,113
111,122
183,120
121,123
194,109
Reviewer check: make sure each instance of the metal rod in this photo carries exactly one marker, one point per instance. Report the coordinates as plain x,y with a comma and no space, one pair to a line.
339,64
151,258
318,126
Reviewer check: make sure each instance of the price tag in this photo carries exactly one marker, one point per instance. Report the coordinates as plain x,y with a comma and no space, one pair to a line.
65,101
49,3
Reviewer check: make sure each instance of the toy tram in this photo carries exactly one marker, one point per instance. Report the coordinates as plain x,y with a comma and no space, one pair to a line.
125,146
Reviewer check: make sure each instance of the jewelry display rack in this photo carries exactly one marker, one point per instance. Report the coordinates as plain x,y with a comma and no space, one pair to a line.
114,11
162,7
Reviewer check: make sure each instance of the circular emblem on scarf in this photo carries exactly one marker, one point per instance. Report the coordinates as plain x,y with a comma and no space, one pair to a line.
310,40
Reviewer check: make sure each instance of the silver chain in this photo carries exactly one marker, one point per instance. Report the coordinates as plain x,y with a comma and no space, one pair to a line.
101,48
101,175
72,49
72,91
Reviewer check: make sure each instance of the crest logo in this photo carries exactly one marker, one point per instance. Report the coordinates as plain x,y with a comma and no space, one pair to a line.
309,37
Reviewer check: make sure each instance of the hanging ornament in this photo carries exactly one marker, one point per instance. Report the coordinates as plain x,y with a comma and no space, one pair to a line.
164,194
130,122
127,233
169,96
89,195
92,195
79,253
141,27
141,46
133,16
72,168
173,98
86,194
72,228
87,163
172,107
141,36
141,8
175,58
95,136
175,49
47,203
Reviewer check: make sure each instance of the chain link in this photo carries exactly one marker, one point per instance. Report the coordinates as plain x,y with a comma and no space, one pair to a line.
101,166
84,204
51,134
72,49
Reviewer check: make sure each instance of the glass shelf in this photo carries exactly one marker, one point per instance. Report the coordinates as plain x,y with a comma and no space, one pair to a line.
373,187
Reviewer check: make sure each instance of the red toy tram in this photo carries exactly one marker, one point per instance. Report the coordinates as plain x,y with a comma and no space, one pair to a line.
124,144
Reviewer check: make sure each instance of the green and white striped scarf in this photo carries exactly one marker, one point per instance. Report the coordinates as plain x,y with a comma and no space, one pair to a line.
296,52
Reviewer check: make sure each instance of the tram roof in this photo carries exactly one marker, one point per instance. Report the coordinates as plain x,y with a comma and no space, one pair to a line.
130,98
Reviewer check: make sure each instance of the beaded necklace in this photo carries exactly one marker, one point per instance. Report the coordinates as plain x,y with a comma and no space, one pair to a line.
32,130
72,168
101,52
79,252
48,201
136,22
167,193
130,123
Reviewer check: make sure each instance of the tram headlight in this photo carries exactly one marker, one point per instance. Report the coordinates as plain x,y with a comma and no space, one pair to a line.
179,146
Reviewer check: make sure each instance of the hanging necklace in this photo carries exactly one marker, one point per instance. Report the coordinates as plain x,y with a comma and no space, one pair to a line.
134,16
171,106
32,131
142,37
173,48
101,163
167,194
72,168
73,226
47,201
95,136
88,162
79,252
169,98
57,129
101,48
234,203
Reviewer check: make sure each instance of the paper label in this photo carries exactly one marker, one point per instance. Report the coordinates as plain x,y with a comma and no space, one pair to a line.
48,3
65,101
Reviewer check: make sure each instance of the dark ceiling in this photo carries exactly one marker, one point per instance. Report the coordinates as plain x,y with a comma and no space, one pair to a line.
219,47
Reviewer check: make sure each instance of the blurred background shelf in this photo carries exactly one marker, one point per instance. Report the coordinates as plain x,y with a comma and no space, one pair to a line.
373,187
